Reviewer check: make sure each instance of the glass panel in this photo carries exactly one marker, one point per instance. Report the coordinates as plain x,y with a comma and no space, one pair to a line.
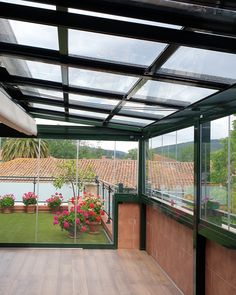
170,169
129,19
30,34
145,109
113,48
88,114
130,121
28,3
218,173
47,107
100,80
58,123
74,98
200,62
40,92
37,70
172,93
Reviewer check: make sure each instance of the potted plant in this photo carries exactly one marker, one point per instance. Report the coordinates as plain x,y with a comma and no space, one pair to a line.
30,201
93,206
54,202
7,203
71,220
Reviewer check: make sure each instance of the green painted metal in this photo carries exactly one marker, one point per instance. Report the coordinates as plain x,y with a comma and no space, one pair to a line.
37,245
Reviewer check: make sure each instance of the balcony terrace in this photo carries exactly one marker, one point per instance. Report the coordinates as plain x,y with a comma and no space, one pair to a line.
155,78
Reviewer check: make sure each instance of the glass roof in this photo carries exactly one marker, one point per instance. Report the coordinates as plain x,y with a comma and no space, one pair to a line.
113,48
34,35
132,72
130,121
100,80
202,62
28,3
87,114
40,92
34,69
172,93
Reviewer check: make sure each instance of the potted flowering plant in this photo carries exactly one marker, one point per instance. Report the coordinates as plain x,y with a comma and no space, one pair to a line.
93,205
69,220
7,203
30,201
54,202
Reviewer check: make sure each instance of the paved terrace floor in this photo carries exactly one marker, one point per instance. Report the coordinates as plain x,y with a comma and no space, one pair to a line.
81,272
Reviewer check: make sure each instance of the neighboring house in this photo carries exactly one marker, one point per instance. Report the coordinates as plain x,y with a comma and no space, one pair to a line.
168,174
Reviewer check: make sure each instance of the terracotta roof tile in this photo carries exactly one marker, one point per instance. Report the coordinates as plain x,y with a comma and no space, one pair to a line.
161,173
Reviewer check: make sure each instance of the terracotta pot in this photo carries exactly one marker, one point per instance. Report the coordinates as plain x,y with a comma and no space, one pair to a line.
7,210
94,227
30,208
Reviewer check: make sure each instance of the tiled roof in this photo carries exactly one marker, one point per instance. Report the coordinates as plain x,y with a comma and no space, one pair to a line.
166,174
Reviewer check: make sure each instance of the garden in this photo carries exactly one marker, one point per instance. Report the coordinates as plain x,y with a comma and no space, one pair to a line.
79,220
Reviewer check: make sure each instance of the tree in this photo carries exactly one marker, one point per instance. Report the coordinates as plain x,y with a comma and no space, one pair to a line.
62,148
132,154
68,175
24,148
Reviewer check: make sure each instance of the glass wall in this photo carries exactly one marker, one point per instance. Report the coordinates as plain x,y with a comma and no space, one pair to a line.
170,168
56,191
218,200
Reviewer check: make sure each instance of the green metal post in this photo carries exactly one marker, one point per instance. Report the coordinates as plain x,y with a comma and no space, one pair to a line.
199,241
141,190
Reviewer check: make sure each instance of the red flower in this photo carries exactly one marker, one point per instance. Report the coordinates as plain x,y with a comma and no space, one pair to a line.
98,218
91,205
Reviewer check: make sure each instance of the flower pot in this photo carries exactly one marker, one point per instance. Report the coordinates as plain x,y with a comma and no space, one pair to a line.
7,210
71,233
94,227
30,208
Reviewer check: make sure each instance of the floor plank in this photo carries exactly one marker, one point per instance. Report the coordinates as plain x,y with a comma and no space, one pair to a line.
81,272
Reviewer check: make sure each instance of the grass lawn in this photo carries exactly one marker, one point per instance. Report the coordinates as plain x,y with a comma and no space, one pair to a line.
20,228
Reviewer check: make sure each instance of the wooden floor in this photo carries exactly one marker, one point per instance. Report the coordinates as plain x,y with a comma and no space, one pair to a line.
82,272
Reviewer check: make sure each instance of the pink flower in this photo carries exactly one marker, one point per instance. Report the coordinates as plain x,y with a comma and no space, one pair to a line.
66,224
58,213
83,229
77,220
56,222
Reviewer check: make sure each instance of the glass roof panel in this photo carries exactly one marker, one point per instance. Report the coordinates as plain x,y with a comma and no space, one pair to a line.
129,19
88,114
40,121
47,107
40,92
172,93
32,69
74,98
130,121
100,80
202,62
23,33
28,3
113,48
145,109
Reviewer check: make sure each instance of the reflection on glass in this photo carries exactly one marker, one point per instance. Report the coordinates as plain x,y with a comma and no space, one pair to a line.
113,48
47,107
130,121
57,123
77,99
202,62
218,204
40,92
88,114
145,109
32,69
170,169
100,80
129,19
28,3
28,34
172,93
